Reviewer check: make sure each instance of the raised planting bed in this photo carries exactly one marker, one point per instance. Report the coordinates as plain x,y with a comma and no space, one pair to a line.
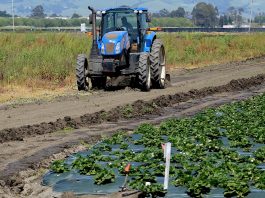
219,152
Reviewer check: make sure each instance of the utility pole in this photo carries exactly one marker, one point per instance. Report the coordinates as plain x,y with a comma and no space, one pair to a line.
251,13
13,15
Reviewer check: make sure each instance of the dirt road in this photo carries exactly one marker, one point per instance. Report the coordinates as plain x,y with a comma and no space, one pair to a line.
34,152
182,81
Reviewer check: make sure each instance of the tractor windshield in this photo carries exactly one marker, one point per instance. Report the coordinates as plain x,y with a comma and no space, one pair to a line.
120,20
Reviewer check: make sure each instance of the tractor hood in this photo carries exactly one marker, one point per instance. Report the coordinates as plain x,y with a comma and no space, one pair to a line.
113,43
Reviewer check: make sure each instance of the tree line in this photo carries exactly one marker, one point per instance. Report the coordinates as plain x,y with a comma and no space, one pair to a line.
43,22
260,19
202,15
206,15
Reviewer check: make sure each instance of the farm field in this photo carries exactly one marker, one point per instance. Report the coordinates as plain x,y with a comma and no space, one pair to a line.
27,152
220,147
29,71
212,113
33,154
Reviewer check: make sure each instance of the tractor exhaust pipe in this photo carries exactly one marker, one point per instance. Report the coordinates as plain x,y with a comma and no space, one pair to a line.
94,18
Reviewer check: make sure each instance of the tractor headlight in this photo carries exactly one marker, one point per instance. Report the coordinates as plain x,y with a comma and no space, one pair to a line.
102,48
118,48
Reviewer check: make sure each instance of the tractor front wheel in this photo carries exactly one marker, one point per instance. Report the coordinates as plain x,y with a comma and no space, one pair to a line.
81,73
158,64
144,72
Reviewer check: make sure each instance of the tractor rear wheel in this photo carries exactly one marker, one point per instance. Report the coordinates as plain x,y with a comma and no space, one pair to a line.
158,64
99,82
144,72
81,73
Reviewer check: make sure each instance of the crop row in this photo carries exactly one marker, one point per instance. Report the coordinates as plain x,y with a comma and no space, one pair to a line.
220,148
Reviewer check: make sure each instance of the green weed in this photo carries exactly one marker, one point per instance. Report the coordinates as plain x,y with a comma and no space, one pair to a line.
127,111
47,60
191,50
38,59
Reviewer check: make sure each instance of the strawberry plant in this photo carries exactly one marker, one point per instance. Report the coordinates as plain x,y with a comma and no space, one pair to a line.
104,147
126,156
236,187
133,170
124,146
146,129
260,154
242,142
148,185
206,153
104,176
259,180
86,166
198,186
117,138
151,153
59,166
183,178
115,164
148,141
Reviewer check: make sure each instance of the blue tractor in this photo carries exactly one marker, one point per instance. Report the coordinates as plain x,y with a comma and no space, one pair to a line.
123,45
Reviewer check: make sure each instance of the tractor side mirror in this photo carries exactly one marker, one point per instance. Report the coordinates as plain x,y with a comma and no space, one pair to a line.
149,17
90,19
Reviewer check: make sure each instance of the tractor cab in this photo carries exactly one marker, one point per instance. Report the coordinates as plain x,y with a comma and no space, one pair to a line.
119,21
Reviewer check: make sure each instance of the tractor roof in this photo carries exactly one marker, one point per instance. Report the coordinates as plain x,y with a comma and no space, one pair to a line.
125,8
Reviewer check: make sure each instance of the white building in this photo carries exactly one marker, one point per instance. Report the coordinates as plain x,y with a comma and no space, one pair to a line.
245,26
59,17
229,26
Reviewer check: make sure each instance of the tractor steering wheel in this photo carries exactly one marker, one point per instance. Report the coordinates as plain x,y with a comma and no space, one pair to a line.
121,29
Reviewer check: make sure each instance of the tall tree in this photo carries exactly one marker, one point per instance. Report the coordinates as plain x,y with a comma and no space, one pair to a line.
226,20
4,14
38,12
241,10
180,12
204,15
76,16
231,9
260,18
222,21
235,16
54,15
164,13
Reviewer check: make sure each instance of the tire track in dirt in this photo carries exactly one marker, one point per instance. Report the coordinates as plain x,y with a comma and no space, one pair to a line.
135,110
80,103
21,162
28,146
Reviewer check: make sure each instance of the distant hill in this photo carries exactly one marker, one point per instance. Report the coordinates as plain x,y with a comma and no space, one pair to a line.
68,7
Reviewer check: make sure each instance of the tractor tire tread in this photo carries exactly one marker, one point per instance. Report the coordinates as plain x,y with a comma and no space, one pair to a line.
80,72
155,66
142,72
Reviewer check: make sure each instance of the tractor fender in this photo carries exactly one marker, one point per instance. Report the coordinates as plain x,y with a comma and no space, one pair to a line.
148,41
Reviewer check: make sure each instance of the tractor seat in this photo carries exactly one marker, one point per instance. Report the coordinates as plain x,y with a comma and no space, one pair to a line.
134,47
133,36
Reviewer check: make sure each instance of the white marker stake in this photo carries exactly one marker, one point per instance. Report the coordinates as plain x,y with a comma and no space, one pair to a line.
168,156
